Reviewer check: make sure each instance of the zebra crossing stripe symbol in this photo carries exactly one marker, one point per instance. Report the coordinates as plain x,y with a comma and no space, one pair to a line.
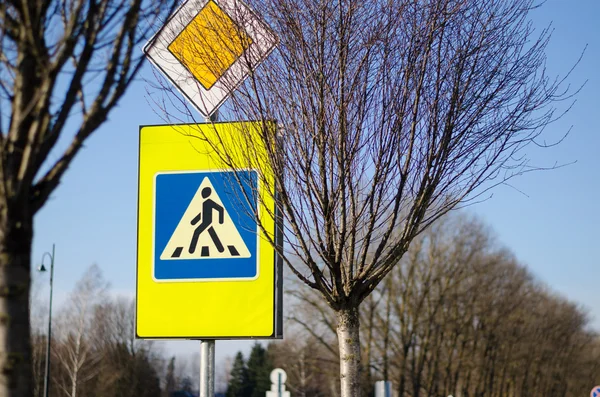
206,230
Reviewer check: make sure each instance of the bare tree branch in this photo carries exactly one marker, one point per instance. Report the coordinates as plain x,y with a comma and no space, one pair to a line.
391,114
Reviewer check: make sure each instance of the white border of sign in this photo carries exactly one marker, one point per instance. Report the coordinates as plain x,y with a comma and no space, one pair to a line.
208,101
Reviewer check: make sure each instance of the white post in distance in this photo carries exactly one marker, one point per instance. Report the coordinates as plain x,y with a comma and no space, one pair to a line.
383,388
278,378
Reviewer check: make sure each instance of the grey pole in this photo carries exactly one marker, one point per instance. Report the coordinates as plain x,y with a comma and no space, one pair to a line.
207,347
207,368
48,342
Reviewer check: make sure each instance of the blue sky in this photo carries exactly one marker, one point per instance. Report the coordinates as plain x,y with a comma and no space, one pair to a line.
550,219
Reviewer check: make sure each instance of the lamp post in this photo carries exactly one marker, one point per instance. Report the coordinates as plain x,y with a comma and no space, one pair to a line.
43,269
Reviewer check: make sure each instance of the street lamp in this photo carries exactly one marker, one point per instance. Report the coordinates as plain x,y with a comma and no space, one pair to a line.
43,269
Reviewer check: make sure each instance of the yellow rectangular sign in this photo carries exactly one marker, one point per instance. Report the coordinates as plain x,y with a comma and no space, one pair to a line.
206,266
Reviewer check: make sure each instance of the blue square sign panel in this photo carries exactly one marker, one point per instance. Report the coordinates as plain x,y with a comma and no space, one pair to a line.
205,227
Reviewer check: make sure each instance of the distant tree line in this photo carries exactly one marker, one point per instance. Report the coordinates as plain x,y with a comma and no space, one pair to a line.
458,316
94,351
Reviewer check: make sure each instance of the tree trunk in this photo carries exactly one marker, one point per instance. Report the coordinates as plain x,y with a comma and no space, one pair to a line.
349,346
16,232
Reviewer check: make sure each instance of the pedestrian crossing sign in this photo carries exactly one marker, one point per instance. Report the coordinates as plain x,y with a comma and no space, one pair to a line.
204,226
208,228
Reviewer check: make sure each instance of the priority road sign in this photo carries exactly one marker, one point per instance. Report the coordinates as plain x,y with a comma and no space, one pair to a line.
206,265
208,47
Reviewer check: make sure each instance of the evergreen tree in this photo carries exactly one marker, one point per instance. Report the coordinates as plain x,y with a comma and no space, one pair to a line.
187,385
259,369
238,384
170,378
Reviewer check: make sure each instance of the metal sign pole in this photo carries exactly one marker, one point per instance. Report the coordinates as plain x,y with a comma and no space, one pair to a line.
207,347
207,368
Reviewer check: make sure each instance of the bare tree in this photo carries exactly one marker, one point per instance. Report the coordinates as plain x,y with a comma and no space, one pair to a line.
310,365
77,348
128,366
64,64
459,316
390,114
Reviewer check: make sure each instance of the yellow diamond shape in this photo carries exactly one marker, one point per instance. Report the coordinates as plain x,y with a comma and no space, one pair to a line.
210,44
